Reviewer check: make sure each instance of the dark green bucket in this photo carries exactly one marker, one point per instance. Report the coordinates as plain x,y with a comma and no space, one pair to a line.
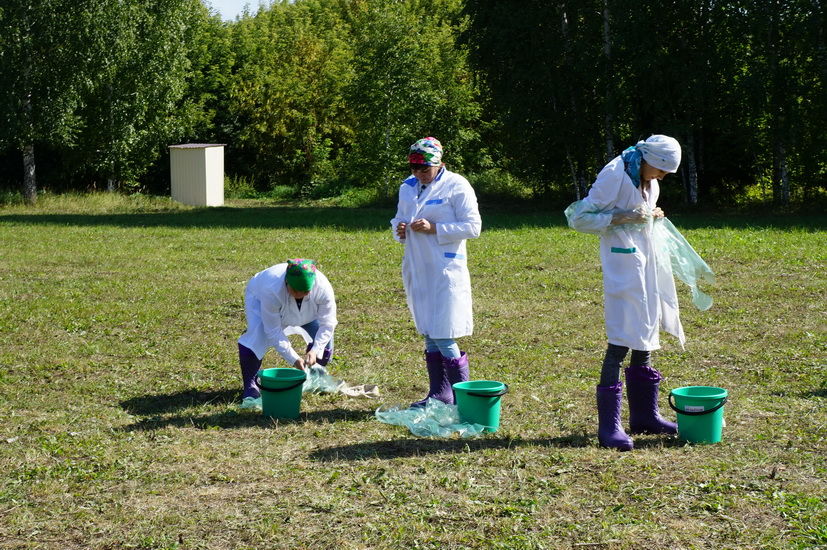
478,402
700,412
281,392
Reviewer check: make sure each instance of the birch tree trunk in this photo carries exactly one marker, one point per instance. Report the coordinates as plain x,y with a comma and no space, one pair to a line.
609,99
692,171
781,179
29,180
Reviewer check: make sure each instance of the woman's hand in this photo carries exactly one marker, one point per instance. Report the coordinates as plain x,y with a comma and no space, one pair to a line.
400,230
310,358
423,226
628,216
658,213
299,364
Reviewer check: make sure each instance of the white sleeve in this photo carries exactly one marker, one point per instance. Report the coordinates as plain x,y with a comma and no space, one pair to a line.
594,213
401,215
468,223
273,329
326,308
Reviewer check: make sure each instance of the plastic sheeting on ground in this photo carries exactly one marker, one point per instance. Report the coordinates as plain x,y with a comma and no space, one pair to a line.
435,419
319,381
687,265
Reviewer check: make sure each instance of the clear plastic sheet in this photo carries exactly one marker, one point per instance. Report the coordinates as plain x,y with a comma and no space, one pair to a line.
319,381
435,419
687,265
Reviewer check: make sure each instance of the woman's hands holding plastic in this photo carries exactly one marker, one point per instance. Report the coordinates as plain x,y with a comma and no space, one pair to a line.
628,216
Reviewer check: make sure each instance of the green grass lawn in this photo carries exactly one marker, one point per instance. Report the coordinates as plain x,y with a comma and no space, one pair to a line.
119,384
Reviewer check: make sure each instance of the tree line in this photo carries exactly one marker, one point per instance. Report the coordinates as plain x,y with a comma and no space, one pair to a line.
325,95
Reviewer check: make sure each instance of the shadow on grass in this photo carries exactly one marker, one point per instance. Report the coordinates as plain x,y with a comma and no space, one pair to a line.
235,418
815,393
272,217
168,402
398,448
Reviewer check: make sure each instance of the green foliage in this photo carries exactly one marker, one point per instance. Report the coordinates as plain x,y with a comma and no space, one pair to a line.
326,95
135,107
292,63
412,81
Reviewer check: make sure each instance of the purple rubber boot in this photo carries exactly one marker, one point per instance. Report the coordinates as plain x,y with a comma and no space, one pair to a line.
439,386
249,368
457,371
642,383
610,431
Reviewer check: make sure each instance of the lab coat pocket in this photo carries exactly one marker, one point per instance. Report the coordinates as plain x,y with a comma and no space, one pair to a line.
623,271
454,267
437,210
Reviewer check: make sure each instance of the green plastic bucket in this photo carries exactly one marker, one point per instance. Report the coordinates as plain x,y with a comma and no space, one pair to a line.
478,402
700,412
281,392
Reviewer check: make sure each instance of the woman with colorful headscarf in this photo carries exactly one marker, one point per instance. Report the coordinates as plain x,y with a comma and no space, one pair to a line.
639,291
290,294
436,213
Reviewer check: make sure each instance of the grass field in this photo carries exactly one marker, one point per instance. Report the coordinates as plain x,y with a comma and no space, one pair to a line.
119,384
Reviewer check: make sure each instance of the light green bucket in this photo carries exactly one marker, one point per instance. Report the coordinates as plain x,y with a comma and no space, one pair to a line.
700,412
281,392
478,402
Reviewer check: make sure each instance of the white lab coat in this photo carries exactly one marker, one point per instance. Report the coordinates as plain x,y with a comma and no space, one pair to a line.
639,289
270,309
435,267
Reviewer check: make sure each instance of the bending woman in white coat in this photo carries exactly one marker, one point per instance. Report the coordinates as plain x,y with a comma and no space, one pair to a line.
437,212
290,294
639,294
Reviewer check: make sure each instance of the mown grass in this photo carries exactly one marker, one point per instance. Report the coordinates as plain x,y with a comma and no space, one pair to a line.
118,385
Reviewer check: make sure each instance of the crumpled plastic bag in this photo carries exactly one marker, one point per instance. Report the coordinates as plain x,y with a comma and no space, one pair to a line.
319,381
435,419
686,264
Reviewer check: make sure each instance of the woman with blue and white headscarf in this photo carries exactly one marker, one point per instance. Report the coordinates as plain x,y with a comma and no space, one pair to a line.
639,291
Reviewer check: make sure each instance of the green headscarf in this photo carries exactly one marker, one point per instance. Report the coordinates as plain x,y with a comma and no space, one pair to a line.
301,274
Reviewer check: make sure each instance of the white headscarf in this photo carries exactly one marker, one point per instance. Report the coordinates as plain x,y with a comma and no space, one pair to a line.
662,152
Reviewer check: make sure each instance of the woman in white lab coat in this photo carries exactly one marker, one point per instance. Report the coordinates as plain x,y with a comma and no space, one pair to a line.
290,294
639,291
436,213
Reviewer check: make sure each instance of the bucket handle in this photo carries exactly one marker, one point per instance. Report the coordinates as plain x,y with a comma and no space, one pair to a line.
497,394
263,388
696,413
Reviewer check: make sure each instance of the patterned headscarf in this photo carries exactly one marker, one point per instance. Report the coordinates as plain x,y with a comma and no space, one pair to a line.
426,151
662,152
301,274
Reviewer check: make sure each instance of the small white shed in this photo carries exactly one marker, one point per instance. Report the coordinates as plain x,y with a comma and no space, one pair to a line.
196,173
